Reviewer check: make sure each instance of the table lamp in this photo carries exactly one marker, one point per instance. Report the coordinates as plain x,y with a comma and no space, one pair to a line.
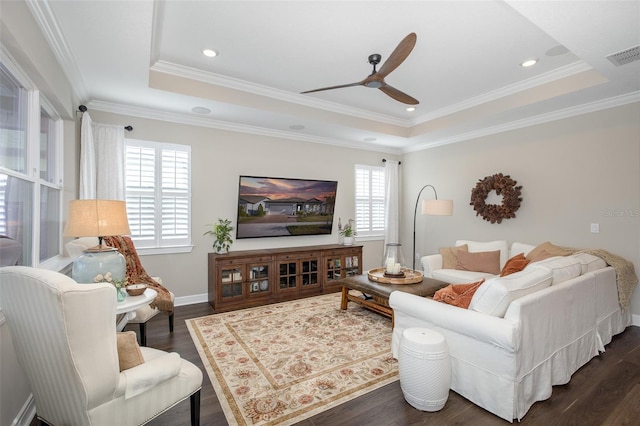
98,218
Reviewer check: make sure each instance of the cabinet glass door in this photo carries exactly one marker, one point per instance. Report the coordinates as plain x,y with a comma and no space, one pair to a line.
287,277
334,268
258,279
231,282
309,273
351,266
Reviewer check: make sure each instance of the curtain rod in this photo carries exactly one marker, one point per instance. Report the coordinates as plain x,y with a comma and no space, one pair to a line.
83,108
384,160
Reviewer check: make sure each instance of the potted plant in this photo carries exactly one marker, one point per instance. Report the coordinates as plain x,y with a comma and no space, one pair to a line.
221,230
348,232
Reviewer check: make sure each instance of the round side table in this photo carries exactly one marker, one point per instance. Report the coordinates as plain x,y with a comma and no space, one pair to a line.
425,368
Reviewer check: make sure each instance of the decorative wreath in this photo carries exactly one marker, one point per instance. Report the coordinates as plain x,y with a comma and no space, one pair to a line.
503,185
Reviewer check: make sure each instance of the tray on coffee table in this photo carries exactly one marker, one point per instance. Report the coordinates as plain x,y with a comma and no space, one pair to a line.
409,276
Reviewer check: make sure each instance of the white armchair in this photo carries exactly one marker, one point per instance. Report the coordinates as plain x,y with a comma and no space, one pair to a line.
65,339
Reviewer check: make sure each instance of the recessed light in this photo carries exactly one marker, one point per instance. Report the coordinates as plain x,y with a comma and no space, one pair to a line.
210,53
529,62
296,127
411,109
201,110
369,139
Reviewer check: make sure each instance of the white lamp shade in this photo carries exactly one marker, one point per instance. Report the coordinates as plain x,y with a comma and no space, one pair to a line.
437,207
97,218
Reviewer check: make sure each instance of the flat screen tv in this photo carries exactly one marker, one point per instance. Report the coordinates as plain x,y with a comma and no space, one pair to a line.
283,207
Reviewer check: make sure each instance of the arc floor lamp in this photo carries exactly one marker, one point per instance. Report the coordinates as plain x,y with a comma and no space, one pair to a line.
432,208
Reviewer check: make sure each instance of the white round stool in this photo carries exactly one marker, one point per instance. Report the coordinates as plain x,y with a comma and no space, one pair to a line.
425,368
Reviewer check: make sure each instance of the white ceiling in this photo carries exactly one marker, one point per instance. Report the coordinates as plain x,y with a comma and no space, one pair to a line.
144,58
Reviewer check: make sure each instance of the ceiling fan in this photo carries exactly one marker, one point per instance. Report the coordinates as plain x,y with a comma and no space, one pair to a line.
375,80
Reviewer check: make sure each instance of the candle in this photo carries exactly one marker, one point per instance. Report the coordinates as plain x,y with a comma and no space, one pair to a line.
396,268
390,265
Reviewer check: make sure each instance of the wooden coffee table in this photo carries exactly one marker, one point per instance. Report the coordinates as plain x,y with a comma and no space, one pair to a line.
376,295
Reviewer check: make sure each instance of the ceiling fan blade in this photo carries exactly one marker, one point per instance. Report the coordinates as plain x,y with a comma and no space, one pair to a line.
398,95
398,55
334,87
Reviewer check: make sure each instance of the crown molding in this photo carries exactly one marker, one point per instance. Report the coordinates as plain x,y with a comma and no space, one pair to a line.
261,131
509,90
232,127
282,95
48,24
595,106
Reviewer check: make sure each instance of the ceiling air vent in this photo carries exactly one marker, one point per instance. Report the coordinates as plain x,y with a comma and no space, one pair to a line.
625,57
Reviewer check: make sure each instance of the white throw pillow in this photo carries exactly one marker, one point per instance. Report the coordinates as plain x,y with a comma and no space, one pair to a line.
589,262
496,294
478,246
562,268
517,248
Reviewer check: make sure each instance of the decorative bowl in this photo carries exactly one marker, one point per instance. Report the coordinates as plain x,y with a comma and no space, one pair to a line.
136,289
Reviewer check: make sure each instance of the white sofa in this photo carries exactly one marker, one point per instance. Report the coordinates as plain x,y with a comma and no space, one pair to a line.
432,264
523,333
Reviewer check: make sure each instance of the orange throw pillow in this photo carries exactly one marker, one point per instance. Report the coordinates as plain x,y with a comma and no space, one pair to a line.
457,294
515,264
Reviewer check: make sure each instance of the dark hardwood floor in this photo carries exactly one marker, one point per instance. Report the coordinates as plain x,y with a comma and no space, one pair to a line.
606,391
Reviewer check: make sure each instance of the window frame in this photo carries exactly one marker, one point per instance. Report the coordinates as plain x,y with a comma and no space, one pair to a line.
159,245
370,234
36,105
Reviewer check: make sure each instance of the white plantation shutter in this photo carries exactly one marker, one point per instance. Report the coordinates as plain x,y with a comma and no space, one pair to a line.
175,194
158,193
370,194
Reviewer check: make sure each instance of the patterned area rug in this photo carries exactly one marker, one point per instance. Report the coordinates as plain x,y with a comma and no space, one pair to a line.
279,364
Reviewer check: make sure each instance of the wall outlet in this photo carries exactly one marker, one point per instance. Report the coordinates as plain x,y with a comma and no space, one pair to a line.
595,228
417,255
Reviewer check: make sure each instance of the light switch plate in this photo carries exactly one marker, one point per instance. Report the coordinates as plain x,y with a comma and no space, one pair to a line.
595,228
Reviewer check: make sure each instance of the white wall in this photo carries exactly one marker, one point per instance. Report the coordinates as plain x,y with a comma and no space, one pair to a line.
573,172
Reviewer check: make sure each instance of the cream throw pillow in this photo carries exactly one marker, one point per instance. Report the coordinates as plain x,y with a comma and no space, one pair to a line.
129,353
546,250
450,256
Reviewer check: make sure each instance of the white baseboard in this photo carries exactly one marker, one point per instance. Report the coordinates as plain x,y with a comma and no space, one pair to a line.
26,414
190,300
635,320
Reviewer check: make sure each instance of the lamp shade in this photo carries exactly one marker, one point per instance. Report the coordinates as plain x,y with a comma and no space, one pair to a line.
437,207
97,218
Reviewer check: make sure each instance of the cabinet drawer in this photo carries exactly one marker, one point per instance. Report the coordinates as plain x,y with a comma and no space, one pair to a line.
341,252
242,261
296,256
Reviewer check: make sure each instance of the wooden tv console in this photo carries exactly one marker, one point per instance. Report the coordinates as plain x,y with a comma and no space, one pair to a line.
241,279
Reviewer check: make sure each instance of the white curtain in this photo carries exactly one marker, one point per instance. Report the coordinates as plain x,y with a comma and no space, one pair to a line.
392,199
102,160
87,160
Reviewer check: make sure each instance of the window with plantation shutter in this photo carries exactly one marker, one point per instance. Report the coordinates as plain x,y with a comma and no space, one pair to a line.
158,194
370,193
